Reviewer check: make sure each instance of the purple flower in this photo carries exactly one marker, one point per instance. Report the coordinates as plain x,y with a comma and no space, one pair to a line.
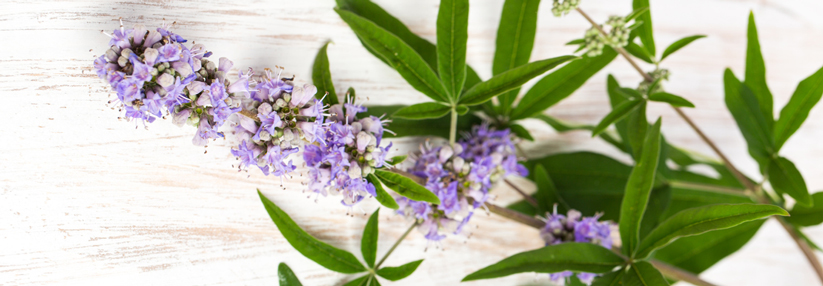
575,228
142,72
168,53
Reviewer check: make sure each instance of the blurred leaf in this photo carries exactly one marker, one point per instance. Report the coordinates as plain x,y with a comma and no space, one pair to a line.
659,201
642,273
638,189
328,256
616,114
572,256
785,178
616,98
547,194
697,253
636,13
359,281
397,159
561,83
639,52
286,276
521,132
406,187
610,279
636,126
368,244
383,197
398,54
510,79
672,99
679,44
400,272
321,77
685,197
575,42
427,127
561,127
756,75
514,43
462,109
524,207
644,32
805,97
743,105
426,110
698,220
808,215
452,34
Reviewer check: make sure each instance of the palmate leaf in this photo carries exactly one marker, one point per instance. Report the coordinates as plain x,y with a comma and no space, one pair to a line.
406,187
514,42
785,178
321,77
808,215
642,273
638,189
510,79
805,97
362,281
426,110
286,276
745,109
698,220
452,34
328,256
679,44
399,272
561,83
756,75
368,244
572,256
398,55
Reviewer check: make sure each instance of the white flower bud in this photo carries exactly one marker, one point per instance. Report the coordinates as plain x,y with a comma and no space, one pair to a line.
165,80
264,108
111,55
280,102
288,135
183,68
354,170
445,153
457,163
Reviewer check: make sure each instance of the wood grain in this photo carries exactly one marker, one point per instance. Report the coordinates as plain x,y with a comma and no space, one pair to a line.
86,199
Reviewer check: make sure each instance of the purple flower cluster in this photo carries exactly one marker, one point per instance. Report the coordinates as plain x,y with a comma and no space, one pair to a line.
348,150
461,177
154,74
573,227
278,119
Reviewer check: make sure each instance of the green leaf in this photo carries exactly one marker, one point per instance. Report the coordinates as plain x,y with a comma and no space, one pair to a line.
792,115
547,194
400,272
686,197
785,178
514,42
524,207
521,132
642,273
644,32
698,220
397,159
561,126
756,74
610,279
672,99
679,44
575,42
321,77
427,127
462,109
424,110
572,256
636,13
638,189
745,109
286,276
350,94
452,34
383,197
368,244
398,55
406,187
639,52
328,256
636,126
362,281
808,215
509,80
697,253
616,114
561,83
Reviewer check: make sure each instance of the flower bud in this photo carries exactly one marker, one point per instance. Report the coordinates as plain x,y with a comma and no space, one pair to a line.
165,80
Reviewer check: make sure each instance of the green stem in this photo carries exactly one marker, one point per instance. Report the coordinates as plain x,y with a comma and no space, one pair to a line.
453,130
395,245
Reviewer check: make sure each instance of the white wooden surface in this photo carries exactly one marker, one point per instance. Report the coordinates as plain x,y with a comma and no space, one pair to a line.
86,199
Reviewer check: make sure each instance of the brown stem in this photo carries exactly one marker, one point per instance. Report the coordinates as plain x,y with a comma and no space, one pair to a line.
515,216
527,197
673,272
248,114
804,246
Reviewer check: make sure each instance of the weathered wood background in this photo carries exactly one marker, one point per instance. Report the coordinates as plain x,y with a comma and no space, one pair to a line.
87,199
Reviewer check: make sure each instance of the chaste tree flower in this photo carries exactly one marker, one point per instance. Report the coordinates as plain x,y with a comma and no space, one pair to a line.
153,74
349,152
573,227
461,177
277,120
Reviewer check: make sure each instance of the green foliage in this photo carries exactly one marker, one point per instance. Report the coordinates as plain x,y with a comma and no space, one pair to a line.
805,97
321,77
619,112
438,127
547,194
745,109
328,256
426,110
642,273
406,187
669,98
383,197
644,32
697,253
368,244
679,44
521,132
509,80
808,215
639,52
638,189
400,272
286,276
610,279
572,256
452,34
561,126
785,178
514,42
756,75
